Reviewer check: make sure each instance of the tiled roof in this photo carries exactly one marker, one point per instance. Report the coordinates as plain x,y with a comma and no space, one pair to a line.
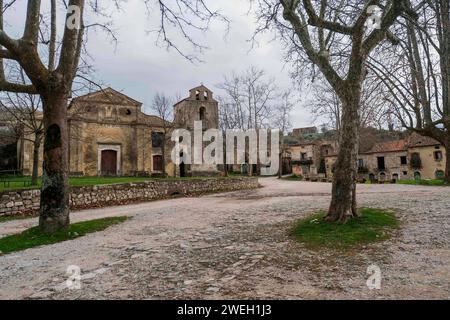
416,140
389,146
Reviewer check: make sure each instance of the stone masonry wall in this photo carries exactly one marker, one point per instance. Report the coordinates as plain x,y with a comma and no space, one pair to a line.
26,202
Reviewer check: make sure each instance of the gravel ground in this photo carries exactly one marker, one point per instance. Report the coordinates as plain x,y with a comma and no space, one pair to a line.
237,246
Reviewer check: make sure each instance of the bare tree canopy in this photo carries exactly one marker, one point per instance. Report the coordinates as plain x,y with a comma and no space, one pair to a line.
416,74
335,37
50,53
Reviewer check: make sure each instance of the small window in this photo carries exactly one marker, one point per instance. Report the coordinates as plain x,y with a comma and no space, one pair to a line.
437,147
197,95
128,112
403,160
157,139
405,173
304,156
360,163
438,155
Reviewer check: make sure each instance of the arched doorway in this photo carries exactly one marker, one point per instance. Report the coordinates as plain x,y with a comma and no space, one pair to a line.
372,178
440,174
417,175
109,163
182,166
382,177
395,177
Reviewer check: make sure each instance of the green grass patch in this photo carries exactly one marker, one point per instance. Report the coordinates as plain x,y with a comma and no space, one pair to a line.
34,237
18,182
373,225
293,177
434,182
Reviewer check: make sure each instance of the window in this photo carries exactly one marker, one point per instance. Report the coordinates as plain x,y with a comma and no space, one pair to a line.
403,161
381,163
197,95
438,155
304,156
157,139
405,173
128,112
360,163
157,163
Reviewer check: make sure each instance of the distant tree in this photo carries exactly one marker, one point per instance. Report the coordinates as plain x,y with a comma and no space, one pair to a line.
162,107
249,101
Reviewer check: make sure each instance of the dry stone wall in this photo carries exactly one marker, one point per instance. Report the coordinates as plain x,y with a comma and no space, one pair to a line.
26,202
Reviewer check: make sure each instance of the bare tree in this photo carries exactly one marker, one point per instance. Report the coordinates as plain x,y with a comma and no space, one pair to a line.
162,107
374,110
25,122
53,80
416,76
337,37
249,101
283,123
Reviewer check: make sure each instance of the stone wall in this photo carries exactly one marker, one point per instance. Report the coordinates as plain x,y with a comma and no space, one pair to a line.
26,202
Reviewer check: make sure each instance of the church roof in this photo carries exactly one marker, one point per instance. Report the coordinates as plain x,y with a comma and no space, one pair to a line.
108,95
200,88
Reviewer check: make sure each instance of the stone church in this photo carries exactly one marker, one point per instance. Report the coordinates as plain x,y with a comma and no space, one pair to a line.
110,135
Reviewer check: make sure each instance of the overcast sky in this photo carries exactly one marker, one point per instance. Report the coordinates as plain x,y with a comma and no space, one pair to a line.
139,68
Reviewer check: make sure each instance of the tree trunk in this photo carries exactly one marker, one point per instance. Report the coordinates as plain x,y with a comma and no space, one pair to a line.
280,162
447,163
343,201
163,151
36,148
54,210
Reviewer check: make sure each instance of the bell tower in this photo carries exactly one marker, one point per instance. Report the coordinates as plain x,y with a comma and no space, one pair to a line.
199,106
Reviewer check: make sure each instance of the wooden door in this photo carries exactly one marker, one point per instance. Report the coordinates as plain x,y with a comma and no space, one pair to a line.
157,163
109,163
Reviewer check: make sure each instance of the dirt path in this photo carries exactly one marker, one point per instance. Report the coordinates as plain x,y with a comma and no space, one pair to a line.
237,245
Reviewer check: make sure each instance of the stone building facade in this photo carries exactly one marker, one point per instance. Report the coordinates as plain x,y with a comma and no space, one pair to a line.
111,136
415,157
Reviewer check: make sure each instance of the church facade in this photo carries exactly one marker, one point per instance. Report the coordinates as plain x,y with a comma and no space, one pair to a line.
110,135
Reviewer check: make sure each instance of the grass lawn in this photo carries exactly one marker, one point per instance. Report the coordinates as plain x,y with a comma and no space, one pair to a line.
293,177
434,182
373,225
34,237
18,182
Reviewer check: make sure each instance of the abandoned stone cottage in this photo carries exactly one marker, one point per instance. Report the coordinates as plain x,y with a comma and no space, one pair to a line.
111,135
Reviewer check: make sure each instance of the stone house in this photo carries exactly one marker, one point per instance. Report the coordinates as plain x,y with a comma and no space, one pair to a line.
305,157
415,157
432,157
110,135
386,161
